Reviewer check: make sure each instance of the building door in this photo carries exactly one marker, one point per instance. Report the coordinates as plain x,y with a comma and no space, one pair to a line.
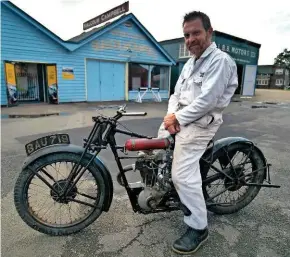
24,82
249,80
240,69
105,80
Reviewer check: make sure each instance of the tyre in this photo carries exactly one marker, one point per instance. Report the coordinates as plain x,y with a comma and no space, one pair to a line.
85,199
253,172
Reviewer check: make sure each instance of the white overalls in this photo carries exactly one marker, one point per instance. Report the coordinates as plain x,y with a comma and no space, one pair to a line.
204,88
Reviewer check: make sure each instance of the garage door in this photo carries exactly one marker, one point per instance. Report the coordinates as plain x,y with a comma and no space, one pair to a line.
105,81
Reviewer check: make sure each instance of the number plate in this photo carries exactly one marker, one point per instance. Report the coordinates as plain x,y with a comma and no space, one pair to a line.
42,142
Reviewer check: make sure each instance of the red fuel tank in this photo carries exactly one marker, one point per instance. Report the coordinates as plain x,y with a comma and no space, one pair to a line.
146,144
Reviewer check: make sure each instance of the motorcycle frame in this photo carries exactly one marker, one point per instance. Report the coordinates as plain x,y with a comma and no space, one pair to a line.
103,134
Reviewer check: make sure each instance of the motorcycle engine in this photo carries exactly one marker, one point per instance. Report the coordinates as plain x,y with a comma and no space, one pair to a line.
155,171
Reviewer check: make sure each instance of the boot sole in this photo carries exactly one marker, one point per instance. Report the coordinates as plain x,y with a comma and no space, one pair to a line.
193,251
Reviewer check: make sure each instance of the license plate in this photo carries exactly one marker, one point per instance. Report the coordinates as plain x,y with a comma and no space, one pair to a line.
42,142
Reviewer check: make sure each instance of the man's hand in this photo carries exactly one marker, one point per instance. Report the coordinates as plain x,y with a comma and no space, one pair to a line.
173,129
171,124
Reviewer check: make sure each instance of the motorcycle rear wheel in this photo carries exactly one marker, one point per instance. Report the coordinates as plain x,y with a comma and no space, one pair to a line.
23,203
256,176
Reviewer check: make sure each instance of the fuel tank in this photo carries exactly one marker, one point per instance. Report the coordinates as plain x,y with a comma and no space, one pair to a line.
140,144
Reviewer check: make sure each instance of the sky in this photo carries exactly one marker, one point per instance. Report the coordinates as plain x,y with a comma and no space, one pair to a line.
263,22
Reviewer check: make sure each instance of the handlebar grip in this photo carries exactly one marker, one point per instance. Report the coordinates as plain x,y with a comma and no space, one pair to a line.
134,114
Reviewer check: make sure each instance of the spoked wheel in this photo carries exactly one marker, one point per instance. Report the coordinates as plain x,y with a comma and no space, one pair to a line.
229,194
41,207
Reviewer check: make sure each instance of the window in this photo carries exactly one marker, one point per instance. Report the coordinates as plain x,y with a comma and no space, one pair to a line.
160,77
183,52
138,76
279,72
263,79
279,82
261,82
142,75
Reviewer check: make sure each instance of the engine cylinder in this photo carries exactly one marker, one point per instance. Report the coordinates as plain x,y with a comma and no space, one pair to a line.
146,144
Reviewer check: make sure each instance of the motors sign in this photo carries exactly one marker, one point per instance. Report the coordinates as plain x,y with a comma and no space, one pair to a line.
116,11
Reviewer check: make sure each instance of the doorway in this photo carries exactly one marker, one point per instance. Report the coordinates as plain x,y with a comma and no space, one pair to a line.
240,70
30,82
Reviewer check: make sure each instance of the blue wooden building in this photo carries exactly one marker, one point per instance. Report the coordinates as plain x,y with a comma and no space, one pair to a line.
244,52
107,63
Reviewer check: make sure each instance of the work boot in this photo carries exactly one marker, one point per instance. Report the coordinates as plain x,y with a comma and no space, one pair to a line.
190,241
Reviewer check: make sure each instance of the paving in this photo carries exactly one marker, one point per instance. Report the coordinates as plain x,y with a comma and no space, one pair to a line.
261,229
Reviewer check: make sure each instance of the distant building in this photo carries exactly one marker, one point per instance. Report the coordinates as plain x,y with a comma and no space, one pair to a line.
271,76
244,52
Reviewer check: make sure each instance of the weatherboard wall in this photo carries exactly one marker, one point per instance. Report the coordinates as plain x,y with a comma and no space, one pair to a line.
23,42
125,43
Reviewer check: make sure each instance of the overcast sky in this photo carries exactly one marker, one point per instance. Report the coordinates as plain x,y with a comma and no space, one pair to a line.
266,23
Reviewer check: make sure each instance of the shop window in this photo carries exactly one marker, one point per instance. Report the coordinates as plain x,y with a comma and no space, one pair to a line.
138,76
141,75
160,77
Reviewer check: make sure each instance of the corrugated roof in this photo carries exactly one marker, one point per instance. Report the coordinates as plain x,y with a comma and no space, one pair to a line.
85,35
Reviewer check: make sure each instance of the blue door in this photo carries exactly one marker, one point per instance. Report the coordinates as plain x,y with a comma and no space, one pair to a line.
93,81
105,81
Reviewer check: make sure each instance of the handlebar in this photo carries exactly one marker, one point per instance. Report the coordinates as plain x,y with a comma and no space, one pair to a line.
134,114
122,112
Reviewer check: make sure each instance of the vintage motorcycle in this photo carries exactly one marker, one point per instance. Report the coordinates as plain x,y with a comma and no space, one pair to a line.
85,190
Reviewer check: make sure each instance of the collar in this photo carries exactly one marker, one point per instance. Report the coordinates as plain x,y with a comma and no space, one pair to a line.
207,51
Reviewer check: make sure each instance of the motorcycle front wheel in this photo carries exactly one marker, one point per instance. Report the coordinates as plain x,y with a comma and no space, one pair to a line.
40,207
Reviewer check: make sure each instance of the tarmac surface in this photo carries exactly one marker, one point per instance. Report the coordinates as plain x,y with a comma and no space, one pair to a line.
261,229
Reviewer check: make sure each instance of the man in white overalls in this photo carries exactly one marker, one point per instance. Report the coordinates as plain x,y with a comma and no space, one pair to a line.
205,87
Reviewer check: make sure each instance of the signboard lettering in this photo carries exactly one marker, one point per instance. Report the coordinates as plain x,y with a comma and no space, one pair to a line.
68,73
237,50
118,10
243,54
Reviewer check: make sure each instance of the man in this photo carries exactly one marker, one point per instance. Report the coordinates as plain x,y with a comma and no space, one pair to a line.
205,87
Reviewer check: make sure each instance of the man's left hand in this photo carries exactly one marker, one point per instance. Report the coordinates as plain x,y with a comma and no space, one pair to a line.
170,120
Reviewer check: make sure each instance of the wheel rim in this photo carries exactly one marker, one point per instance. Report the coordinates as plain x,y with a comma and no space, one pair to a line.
236,191
53,211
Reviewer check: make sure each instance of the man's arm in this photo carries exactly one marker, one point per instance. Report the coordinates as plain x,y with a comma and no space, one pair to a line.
213,87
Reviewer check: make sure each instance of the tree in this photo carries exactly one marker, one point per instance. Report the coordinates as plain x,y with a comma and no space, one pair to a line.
283,59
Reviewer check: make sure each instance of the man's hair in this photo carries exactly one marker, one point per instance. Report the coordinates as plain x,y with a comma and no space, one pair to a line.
198,15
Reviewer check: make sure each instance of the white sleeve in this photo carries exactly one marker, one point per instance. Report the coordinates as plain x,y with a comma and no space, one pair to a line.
213,86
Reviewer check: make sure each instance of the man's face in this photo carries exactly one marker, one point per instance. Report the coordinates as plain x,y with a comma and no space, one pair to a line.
197,39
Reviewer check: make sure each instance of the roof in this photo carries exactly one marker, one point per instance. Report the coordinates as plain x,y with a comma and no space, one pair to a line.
173,40
272,66
218,33
241,40
85,37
